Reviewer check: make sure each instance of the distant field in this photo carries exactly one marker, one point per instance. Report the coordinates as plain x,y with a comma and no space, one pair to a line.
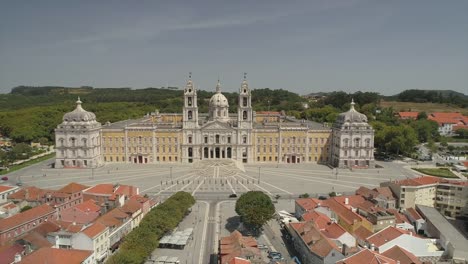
422,107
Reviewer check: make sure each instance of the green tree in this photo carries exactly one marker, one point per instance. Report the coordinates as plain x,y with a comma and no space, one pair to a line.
255,209
25,208
422,115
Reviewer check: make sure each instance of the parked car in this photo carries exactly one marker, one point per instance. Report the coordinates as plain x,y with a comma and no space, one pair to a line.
260,246
274,255
233,195
4,178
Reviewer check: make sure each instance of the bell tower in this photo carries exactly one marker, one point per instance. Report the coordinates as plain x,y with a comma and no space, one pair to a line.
244,115
190,109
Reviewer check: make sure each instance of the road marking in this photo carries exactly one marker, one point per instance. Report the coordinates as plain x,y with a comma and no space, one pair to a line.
232,189
196,189
202,250
325,180
183,188
283,190
156,186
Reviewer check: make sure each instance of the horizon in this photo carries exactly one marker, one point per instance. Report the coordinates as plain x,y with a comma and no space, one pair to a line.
305,47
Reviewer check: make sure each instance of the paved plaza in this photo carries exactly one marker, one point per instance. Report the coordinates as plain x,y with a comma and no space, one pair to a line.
215,180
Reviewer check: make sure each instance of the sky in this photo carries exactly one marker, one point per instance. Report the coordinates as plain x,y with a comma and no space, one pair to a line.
303,46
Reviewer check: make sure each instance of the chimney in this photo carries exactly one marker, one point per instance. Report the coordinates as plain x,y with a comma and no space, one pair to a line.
346,201
343,250
26,194
17,258
372,247
57,241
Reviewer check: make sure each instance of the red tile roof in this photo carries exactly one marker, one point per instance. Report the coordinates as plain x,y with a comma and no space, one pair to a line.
72,188
447,118
362,233
353,200
344,213
420,181
26,216
131,206
237,245
308,203
408,115
367,257
366,192
414,214
319,243
7,253
237,260
37,240
31,193
386,235
106,189
4,188
401,255
319,219
88,206
334,231
94,230
56,256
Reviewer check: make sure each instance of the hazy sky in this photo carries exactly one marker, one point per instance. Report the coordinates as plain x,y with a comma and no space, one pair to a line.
303,46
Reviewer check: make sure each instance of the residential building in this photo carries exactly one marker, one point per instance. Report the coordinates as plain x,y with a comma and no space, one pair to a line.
5,191
17,225
401,220
245,136
344,211
59,256
416,219
449,122
449,196
392,236
312,245
119,225
94,238
236,245
110,195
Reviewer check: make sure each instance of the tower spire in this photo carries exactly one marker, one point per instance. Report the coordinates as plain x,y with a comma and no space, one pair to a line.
218,86
352,104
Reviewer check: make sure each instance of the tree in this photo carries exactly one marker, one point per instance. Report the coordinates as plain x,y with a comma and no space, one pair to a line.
422,115
25,208
255,209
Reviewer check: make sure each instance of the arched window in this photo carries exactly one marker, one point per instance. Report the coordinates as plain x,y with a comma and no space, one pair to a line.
217,139
189,101
85,142
356,143
61,141
244,115
244,101
368,142
189,115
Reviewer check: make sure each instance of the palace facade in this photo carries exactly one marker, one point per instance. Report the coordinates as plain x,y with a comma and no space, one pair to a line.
246,136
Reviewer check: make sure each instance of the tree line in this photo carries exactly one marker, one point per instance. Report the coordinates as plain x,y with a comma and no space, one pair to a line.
143,240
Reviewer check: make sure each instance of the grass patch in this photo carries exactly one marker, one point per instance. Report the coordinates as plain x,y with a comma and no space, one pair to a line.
439,172
422,107
27,163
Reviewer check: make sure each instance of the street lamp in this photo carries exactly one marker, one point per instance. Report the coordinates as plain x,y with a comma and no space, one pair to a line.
170,171
259,174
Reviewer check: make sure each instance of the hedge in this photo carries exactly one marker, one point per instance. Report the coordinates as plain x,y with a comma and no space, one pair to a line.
143,240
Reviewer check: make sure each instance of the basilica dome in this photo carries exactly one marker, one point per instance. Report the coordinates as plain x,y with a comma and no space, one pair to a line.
79,114
218,99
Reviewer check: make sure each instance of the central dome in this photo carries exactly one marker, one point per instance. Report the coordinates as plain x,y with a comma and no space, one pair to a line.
218,99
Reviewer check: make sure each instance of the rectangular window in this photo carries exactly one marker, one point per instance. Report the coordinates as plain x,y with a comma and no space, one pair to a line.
229,140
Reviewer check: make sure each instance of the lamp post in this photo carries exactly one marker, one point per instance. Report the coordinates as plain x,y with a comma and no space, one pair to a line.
170,171
259,174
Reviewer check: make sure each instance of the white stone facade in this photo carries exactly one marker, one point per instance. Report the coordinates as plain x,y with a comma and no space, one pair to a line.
352,141
78,140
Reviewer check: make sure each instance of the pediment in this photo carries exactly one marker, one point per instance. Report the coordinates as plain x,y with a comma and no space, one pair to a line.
216,125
